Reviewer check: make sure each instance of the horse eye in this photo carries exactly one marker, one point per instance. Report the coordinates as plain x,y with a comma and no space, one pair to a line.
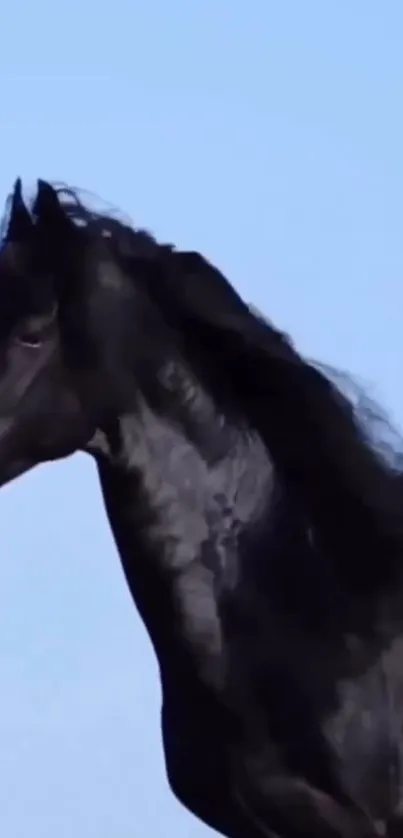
30,339
32,331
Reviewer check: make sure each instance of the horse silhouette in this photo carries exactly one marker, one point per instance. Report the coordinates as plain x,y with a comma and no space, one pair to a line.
256,507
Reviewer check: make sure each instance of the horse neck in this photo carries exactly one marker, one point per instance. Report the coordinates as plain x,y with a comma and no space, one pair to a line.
207,535
182,486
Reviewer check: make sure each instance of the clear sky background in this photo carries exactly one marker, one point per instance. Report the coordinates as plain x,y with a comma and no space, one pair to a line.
268,135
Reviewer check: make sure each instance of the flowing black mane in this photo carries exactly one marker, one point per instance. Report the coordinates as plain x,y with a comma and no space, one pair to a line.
342,460
256,501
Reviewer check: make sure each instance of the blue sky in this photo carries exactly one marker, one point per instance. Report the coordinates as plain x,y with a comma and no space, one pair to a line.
269,136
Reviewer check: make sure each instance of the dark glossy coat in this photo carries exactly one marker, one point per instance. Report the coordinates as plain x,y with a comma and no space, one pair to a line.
259,525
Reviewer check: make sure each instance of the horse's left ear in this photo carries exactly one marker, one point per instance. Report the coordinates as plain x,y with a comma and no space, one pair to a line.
56,238
47,209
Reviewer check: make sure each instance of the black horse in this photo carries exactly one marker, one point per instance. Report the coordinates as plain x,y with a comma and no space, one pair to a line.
258,520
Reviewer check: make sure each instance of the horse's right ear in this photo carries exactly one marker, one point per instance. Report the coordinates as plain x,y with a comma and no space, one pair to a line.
20,225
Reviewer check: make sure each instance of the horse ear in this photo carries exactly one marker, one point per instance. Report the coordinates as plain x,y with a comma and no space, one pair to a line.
47,208
20,224
56,236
